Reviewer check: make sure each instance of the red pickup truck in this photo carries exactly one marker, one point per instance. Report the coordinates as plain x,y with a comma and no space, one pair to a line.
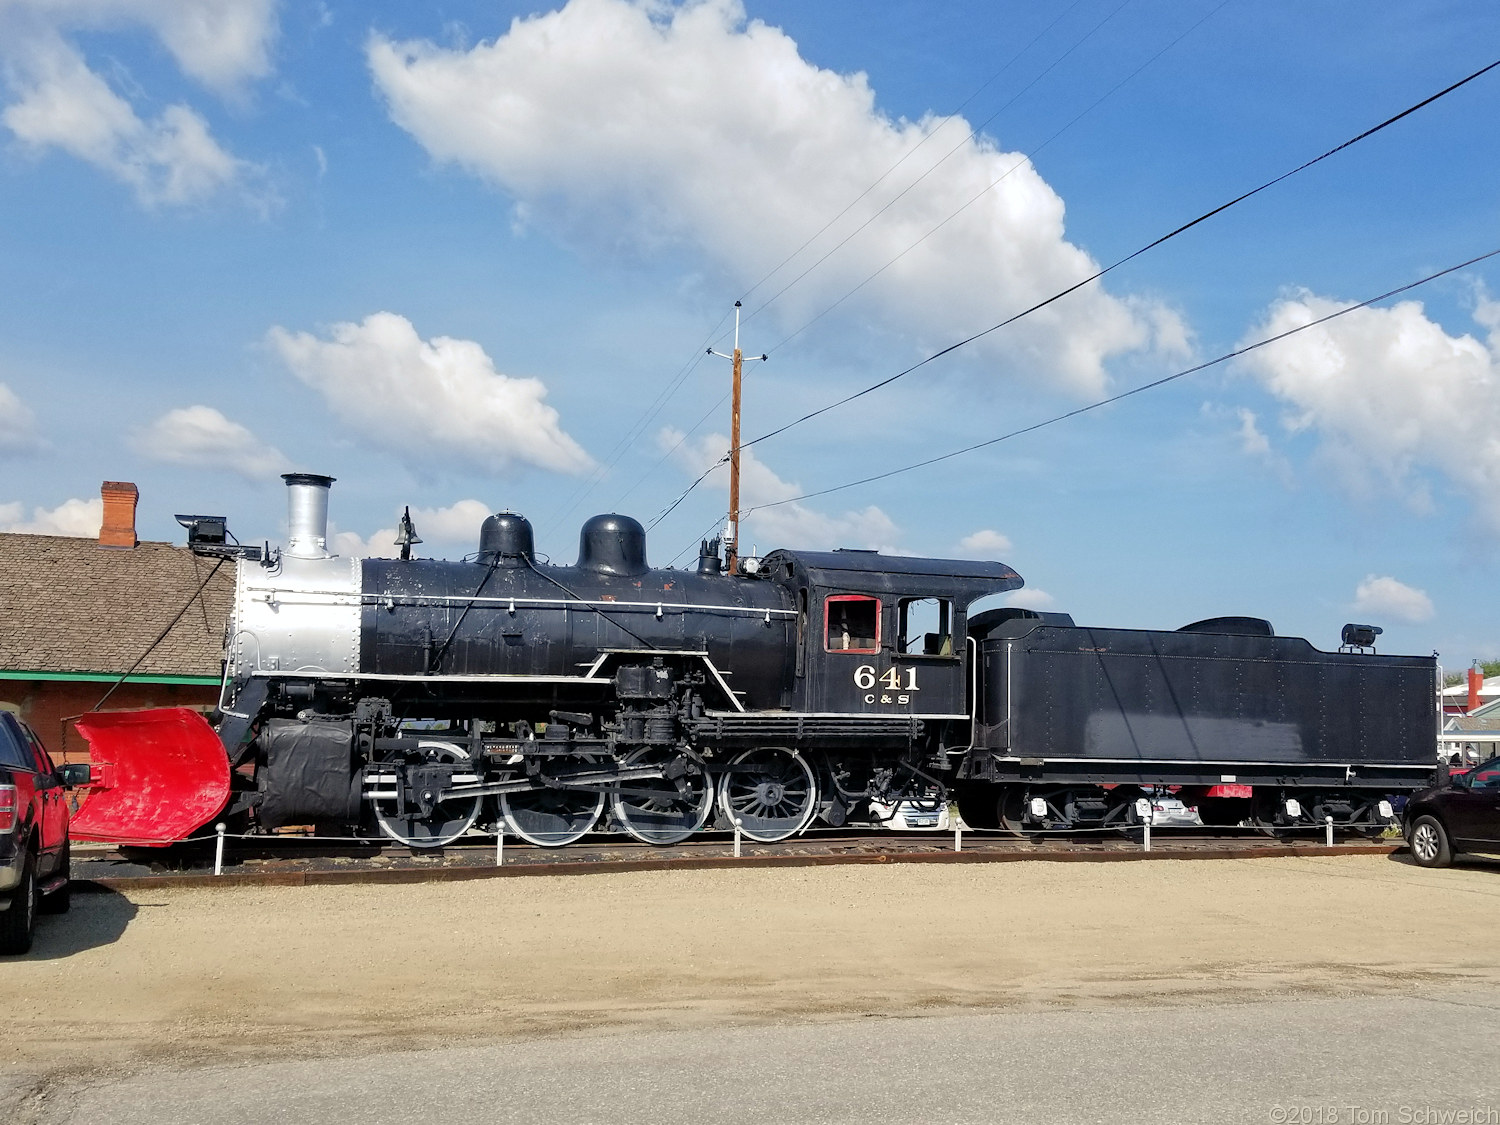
33,832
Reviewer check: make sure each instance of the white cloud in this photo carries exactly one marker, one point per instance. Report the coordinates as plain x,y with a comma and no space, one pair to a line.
430,398
71,517
203,437
440,529
219,43
1385,595
787,525
1253,442
638,126
17,424
985,544
1030,597
59,102
1391,395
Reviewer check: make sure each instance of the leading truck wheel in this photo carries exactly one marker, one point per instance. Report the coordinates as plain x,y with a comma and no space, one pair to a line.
770,793
18,924
1429,843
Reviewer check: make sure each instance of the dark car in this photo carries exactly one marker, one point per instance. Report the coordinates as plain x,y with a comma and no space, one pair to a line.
34,818
1462,815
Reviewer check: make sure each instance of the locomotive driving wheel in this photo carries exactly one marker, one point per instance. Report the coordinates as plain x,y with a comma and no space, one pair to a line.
551,818
668,809
770,792
445,821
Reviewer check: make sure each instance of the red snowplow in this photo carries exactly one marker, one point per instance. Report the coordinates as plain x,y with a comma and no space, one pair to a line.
157,775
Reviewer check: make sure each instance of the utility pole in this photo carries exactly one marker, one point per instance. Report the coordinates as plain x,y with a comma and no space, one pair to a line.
732,530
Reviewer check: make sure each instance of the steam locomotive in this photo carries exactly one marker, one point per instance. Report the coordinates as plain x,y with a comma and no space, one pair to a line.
419,698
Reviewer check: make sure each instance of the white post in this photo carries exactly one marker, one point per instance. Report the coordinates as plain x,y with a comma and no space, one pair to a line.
499,846
1328,830
958,838
219,849
1146,834
737,837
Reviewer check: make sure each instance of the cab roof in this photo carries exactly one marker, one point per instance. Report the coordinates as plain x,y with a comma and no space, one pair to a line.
872,571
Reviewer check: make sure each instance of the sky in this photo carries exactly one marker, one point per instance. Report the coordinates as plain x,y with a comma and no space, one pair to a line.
470,256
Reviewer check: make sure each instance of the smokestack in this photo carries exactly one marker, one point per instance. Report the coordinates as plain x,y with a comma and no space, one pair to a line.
307,515
117,529
1476,682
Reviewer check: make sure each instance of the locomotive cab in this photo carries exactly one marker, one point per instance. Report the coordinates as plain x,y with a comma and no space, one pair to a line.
883,635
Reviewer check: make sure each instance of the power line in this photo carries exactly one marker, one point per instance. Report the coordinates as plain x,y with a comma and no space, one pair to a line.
911,151
633,434
909,187
992,185
1124,394
1121,261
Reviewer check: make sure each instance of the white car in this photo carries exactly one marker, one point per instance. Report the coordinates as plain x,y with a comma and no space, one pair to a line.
911,815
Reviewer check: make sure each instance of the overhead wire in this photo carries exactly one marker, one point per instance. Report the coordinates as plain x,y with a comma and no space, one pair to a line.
1389,121
633,434
682,438
1026,158
930,135
942,160
1125,394
926,137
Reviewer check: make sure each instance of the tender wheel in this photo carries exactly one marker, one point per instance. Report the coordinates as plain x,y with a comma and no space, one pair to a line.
551,818
448,819
18,924
61,900
772,793
664,810
1429,843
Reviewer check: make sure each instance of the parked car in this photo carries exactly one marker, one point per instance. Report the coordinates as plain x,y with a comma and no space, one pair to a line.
1461,815
34,817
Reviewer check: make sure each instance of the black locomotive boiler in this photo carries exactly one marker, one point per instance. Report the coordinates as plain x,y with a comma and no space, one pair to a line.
421,698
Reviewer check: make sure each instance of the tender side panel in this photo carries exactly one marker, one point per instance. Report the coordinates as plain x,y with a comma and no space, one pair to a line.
1116,695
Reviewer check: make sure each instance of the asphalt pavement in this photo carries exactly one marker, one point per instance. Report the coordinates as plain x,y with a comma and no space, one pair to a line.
1425,1058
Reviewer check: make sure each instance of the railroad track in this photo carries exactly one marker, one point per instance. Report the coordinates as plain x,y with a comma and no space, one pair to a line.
299,860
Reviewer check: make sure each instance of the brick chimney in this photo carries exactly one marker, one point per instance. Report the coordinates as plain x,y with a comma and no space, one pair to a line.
1476,685
117,531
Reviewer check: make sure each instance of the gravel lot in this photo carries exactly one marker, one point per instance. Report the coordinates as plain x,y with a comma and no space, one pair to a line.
189,975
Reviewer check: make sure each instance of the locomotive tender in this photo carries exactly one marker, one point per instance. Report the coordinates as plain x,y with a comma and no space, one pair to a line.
422,698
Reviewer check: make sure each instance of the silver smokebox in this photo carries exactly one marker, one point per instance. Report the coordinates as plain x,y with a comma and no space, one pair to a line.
307,515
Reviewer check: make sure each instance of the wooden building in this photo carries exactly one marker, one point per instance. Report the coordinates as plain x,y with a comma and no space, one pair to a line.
109,620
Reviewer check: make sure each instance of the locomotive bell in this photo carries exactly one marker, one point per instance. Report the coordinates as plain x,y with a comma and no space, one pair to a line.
612,544
505,539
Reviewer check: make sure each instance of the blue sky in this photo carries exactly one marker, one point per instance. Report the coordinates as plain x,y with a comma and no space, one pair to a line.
451,253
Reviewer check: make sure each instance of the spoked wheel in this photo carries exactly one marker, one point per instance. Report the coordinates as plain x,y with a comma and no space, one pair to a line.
448,819
551,818
664,810
1429,843
771,792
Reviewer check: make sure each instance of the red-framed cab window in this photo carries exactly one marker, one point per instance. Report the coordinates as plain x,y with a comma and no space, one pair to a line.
851,623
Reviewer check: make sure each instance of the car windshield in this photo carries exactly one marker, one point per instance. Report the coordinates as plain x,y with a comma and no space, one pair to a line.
1485,776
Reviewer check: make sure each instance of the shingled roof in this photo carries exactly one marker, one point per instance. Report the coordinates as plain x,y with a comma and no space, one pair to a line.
68,605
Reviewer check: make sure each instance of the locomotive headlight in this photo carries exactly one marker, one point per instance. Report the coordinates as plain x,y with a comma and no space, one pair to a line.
1293,808
1038,807
1385,810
